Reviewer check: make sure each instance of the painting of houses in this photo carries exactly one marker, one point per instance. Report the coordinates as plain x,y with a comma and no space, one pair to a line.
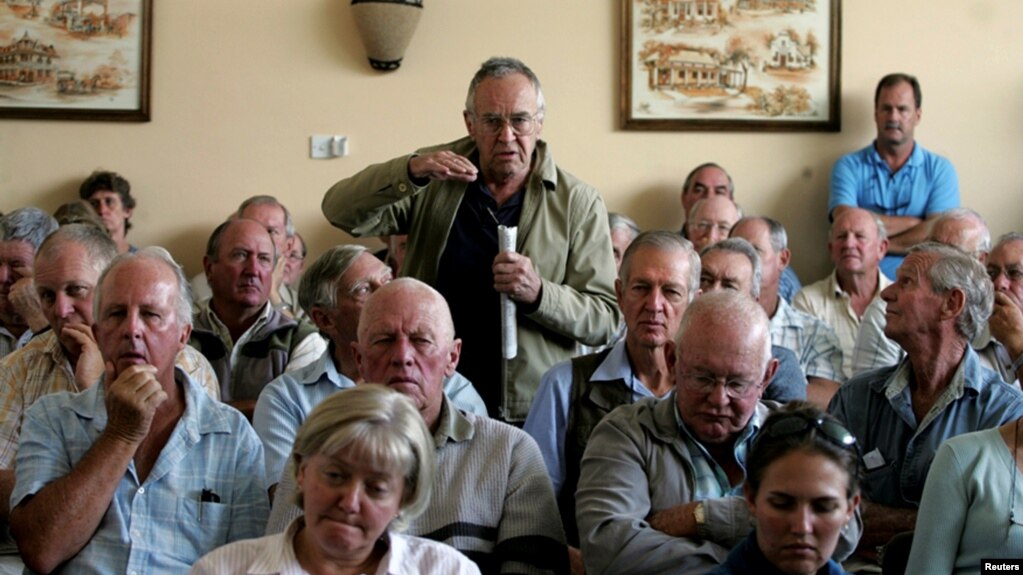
730,64
27,61
786,52
75,59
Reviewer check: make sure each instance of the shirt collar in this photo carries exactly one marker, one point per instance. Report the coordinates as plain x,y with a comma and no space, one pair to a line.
323,369
454,426
279,559
210,318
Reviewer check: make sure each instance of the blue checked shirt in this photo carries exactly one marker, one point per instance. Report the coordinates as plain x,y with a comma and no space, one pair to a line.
158,526
812,340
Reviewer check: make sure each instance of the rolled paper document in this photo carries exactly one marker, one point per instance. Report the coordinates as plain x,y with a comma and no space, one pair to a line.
509,336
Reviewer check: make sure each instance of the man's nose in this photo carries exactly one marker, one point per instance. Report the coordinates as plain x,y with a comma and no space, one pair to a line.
63,305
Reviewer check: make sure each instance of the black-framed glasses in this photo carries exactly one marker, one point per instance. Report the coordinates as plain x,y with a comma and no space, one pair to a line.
830,429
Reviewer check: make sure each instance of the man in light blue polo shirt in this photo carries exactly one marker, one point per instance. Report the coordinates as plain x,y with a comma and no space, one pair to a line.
894,177
333,291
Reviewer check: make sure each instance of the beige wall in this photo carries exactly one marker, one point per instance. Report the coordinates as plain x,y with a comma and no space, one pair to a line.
240,85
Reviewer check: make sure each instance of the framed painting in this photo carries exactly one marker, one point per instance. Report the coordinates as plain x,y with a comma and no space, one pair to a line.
731,65
75,59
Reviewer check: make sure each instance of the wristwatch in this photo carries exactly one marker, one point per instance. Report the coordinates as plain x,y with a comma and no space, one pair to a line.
700,514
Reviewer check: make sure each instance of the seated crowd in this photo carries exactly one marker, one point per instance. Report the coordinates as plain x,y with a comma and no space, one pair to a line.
513,404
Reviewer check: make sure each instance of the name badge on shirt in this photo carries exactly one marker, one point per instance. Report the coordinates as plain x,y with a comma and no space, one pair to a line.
873,460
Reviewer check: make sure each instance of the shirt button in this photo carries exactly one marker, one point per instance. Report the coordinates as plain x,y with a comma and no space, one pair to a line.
403,188
142,490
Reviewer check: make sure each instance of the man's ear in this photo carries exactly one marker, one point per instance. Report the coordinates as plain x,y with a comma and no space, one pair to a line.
670,356
320,318
186,333
357,355
207,267
884,247
453,355
954,303
784,257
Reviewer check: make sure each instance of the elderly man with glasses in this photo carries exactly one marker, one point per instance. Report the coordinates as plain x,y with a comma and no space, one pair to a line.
451,201
660,486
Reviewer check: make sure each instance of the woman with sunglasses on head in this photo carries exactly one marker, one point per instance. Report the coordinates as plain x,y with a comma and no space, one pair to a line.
802,488
972,504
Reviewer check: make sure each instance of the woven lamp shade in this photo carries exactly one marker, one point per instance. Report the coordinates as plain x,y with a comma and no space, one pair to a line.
386,28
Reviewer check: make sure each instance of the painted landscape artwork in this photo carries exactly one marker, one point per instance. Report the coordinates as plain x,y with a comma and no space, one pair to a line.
730,64
74,59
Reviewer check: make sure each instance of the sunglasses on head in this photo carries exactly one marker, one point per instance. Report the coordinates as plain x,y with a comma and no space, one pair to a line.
832,430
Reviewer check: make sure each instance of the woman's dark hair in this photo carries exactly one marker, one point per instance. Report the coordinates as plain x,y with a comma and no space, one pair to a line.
802,426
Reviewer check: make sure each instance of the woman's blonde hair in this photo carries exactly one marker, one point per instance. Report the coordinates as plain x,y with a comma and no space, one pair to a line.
379,426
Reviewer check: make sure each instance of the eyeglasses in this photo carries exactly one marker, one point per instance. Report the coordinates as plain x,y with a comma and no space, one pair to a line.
705,226
1012,273
705,384
521,124
831,430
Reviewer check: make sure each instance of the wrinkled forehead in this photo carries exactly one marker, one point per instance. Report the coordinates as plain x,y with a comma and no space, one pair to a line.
718,209
247,234
141,283
1007,254
406,314
733,265
16,249
709,178
917,265
856,221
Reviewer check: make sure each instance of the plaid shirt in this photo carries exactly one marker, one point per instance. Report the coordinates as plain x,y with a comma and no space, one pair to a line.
813,342
159,525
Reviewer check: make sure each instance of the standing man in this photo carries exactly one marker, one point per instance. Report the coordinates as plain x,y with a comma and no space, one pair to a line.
894,177
143,472
450,200
659,276
110,195
857,243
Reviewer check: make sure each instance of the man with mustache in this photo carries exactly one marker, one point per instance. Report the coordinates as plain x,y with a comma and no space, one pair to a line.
248,341
900,181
